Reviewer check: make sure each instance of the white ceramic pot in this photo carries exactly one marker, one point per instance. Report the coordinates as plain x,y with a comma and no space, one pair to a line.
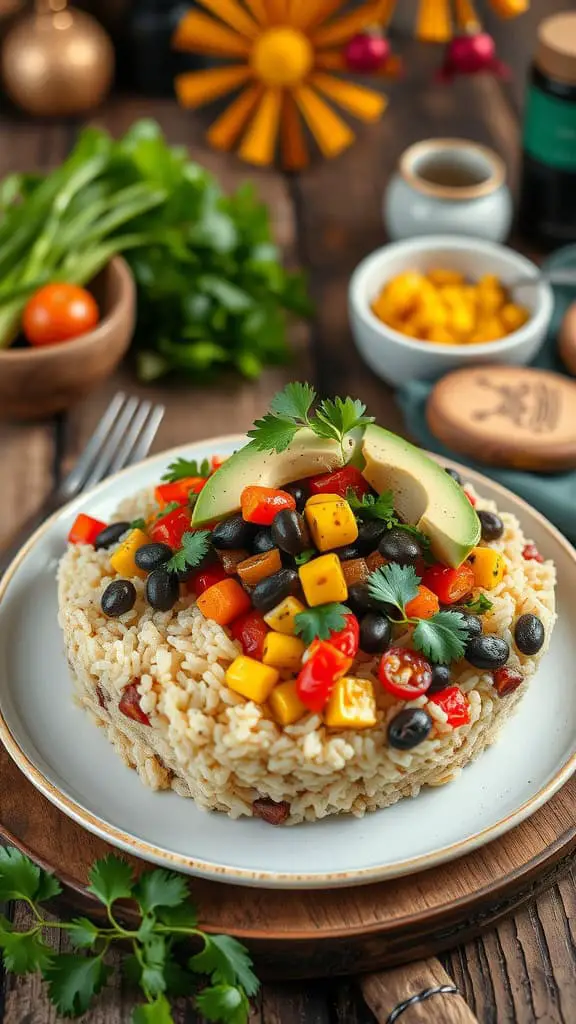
448,186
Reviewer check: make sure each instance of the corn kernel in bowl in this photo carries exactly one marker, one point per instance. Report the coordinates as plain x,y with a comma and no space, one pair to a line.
443,307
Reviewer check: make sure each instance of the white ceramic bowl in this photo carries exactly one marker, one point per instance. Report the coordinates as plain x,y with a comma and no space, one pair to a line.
397,358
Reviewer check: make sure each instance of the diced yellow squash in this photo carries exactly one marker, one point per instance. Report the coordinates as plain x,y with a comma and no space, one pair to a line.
323,581
488,567
444,276
285,704
281,618
352,704
122,560
320,499
283,651
251,678
332,524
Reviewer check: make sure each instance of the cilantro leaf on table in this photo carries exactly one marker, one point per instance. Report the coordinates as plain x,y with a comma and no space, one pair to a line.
182,468
159,888
111,879
21,879
223,1002
24,952
320,622
74,980
157,1012
227,962
394,584
479,605
195,547
442,638
83,933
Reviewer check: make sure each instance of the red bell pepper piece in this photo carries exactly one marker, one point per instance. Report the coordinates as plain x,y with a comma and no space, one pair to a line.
506,680
347,639
217,461
260,504
531,554
171,528
130,705
470,497
179,490
455,704
85,529
340,483
449,585
316,680
206,578
250,630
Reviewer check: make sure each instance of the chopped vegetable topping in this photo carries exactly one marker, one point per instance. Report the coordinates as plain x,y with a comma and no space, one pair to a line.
290,411
85,530
181,468
224,602
195,547
455,705
319,675
382,507
480,604
318,623
352,704
404,673
450,585
261,504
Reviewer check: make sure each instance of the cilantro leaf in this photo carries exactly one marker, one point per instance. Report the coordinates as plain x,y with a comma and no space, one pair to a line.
294,402
441,638
182,468
183,916
273,433
370,507
74,980
227,962
153,953
20,878
111,879
158,1012
83,933
336,417
394,584
159,888
320,622
24,953
194,548
171,506
479,605
223,1003
138,524
305,556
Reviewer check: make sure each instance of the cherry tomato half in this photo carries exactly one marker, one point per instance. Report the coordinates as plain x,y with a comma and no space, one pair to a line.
404,673
455,704
347,639
59,312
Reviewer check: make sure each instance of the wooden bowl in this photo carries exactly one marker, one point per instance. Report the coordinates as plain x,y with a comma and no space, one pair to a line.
38,382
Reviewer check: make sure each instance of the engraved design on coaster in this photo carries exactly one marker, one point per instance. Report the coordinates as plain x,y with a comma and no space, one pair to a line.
536,408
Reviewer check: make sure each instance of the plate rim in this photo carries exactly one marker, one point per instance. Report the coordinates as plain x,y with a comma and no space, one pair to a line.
248,876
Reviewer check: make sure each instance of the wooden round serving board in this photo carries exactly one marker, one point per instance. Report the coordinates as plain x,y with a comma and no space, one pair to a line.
336,931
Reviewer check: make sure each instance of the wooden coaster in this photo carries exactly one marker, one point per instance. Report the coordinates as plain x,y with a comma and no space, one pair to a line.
507,416
567,340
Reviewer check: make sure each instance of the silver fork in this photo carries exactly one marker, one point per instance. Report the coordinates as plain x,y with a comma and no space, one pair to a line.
123,436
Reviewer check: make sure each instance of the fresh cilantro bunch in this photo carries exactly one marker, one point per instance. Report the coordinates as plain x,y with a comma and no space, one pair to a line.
195,547
442,638
291,410
382,507
167,919
182,468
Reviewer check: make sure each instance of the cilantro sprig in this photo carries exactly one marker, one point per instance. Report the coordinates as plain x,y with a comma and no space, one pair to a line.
182,468
167,919
319,622
479,605
442,638
292,409
381,507
195,547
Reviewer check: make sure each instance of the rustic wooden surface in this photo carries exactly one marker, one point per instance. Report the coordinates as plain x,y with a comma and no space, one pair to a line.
522,971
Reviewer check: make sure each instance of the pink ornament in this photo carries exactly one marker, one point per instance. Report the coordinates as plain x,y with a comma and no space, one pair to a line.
470,55
366,52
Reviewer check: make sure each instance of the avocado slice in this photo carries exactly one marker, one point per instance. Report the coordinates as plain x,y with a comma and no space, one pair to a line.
306,455
424,494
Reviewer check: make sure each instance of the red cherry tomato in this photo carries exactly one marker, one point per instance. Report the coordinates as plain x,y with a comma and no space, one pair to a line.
179,491
316,680
404,673
340,483
506,680
130,705
250,630
206,578
455,704
449,585
347,639
531,553
470,497
171,528
59,312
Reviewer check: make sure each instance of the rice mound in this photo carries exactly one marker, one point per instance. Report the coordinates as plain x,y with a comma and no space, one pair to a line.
208,743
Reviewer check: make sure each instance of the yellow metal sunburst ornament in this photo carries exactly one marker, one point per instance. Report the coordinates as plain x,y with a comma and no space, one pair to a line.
285,52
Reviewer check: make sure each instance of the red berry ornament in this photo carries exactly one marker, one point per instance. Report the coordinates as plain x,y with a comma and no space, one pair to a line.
471,54
366,52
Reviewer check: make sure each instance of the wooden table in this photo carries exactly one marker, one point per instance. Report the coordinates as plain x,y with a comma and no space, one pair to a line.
524,971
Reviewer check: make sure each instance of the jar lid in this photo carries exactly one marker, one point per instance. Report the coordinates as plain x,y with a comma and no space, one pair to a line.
556,50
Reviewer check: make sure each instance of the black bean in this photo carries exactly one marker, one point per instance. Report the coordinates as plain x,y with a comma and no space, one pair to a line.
491,525
347,552
300,493
441,675
118,598
110,535
152,556
529,634
454,474
409,728
269,592
487,651
375,633
360,601
472,623
162,590
290,533
370,534
233,533
262,542
399,546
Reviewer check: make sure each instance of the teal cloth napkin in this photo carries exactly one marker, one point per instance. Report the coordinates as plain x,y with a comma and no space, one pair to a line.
553,494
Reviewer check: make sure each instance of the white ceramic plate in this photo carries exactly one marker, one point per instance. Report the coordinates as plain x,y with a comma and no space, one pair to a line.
71,762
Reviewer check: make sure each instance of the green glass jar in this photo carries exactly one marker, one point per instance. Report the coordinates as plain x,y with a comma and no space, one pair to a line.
547,212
